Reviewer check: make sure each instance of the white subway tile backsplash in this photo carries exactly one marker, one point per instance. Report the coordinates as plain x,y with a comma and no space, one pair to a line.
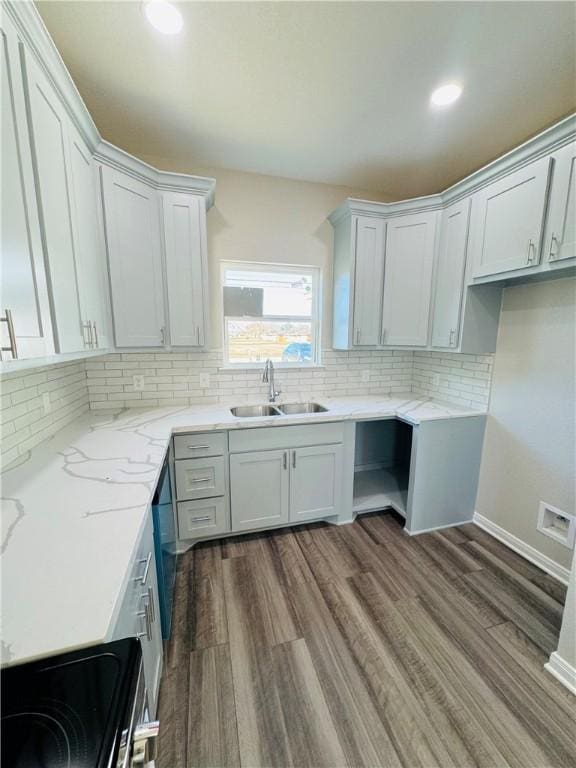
173,378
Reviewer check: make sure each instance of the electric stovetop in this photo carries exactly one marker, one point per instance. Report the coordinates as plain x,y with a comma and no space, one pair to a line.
69,711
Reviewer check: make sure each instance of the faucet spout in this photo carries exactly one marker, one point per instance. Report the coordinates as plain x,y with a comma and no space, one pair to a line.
268,378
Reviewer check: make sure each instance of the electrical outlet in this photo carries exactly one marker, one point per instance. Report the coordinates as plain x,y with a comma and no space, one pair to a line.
204,381
365,376
46,404
138,382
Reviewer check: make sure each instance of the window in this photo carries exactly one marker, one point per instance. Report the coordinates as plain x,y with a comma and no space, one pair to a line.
270,311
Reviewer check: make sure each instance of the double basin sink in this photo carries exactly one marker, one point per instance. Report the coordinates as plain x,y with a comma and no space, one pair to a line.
282,409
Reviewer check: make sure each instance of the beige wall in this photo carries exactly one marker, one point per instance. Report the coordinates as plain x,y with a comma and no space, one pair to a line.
529,449
265,218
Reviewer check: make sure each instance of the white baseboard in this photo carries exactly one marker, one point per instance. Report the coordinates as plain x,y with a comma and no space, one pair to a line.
562,671
437,528
530,553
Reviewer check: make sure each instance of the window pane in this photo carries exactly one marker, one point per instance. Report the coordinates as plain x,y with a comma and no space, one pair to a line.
284,293
254,341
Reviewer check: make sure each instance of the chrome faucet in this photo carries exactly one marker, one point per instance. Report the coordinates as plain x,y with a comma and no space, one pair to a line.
268,377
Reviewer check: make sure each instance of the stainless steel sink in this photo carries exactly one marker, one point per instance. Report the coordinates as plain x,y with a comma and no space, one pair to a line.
294,408
246,411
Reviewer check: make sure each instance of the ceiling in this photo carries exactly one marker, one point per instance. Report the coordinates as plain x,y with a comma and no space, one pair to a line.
334,92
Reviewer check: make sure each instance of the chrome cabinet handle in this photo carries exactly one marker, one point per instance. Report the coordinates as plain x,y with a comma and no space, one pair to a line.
201,480
95,334
293,459
530,248
162,336
144,578
451,340
554,248
198,335
285,460
383,337
197,447
151,605
85,326
11,335
204,519
145,614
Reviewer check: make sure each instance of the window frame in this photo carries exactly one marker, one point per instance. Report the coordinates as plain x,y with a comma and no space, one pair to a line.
315,316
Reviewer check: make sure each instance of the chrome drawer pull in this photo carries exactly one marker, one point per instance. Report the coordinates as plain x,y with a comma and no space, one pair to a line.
11,335
197,447
205,519
144,578
201,480
151,605
145,614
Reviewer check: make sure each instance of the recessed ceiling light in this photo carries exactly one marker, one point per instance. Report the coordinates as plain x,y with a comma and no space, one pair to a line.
164,16
445,95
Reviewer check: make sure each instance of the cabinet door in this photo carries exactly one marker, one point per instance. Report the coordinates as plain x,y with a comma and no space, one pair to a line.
560,238
315,476
450,264
23,290
368,278
186,267
511,218
50,135
135,261
408,280
150,632
259,489
88,246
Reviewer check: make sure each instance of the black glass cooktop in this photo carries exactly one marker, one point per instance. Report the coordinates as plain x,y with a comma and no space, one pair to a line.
68,711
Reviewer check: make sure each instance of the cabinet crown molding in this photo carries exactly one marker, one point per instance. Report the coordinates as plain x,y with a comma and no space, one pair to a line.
33,33
546,142
164,180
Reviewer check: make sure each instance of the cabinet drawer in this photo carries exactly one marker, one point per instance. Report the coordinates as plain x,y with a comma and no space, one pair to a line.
295,436
198,445
202,518
199,478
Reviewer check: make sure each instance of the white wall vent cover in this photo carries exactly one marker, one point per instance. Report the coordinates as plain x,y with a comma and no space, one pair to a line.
559,525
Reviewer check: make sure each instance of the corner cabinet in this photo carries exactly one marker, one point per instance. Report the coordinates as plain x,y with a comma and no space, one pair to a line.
449,280
132,221
157,256
408,279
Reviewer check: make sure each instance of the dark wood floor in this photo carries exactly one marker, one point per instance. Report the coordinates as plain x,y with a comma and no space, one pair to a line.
361,646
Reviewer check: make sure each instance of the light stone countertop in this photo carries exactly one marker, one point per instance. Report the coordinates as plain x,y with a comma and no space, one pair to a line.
74,507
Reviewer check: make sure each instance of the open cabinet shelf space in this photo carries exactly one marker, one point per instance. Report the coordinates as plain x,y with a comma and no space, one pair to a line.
376,489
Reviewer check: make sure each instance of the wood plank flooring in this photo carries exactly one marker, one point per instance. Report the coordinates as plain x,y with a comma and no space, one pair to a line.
361,646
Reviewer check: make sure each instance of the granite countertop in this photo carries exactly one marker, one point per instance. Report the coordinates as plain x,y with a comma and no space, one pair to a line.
74,507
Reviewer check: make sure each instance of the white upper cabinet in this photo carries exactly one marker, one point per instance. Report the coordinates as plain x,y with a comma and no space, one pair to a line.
23,291
410,244
510,220
560,236
88,246
450,267
186,267
132,223
368,280
49,126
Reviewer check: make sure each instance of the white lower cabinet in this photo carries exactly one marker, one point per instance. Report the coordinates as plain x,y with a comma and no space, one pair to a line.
259,489
269,488
314,476
139,613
